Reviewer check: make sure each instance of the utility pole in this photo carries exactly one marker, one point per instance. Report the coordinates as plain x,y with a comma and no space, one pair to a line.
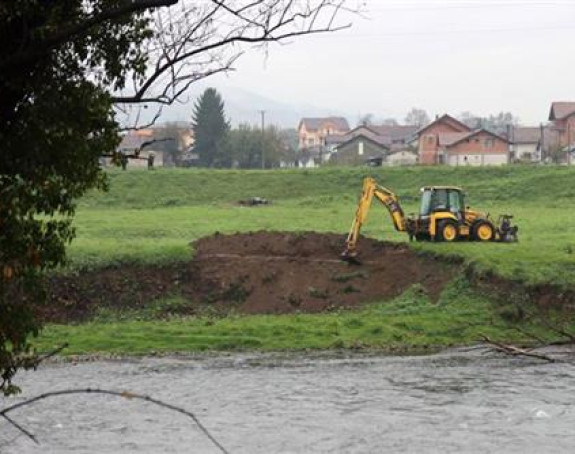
263,114
568,143
511,150
542,142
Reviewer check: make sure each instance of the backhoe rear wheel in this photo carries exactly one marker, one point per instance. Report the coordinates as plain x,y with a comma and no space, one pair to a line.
447,231
483,231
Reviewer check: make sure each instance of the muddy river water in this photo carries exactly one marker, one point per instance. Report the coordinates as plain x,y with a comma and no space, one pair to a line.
456,401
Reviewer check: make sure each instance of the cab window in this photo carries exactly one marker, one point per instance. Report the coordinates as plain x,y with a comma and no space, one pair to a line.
440,201
425,203
455,205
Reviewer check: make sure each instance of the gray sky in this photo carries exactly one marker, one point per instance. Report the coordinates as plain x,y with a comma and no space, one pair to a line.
483,56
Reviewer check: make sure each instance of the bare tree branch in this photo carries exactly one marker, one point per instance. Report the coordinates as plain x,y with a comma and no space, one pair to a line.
123,394
206,40
26,432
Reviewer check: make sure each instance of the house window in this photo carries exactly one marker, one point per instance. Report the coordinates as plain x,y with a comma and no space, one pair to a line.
430,140
360,148
310,141
489,143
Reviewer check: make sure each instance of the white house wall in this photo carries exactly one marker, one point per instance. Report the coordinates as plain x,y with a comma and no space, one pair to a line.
484,159
522,150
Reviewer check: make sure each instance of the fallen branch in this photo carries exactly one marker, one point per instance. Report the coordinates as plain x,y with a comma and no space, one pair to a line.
124,394
515,351
50,354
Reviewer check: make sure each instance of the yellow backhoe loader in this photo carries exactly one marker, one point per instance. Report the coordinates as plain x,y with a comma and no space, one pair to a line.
443,216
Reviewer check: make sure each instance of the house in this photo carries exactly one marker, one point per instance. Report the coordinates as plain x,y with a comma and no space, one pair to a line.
562,132
400,136
369,143
440,130
475,148
562,114
140,143
526,144
360,149
446,140
535,144
171,144
313,131
312,134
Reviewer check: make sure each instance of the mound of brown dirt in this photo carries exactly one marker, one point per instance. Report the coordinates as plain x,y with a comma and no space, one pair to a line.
283,272
263,272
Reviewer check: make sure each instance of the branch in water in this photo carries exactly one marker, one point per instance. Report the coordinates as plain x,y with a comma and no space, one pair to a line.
124,394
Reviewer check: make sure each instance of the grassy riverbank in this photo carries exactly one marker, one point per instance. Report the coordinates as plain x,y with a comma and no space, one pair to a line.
410,323
150,218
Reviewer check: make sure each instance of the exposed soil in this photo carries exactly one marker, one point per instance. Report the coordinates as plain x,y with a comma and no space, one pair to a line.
263,272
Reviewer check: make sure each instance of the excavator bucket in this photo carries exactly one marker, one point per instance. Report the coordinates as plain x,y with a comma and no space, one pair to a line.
350,257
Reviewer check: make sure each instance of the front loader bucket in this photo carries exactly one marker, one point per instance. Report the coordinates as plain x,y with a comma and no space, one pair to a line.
510,236
507,233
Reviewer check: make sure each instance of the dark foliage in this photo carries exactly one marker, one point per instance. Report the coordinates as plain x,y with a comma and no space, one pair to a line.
64,66
210,130
56,119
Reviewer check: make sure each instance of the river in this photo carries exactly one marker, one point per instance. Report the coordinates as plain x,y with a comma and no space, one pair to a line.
457,401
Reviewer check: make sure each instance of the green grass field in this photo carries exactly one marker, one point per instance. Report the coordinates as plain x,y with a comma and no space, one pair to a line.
151,217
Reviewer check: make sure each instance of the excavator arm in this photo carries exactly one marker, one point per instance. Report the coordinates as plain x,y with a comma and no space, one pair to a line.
370,190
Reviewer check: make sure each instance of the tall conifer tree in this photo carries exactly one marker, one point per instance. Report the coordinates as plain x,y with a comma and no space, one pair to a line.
210,130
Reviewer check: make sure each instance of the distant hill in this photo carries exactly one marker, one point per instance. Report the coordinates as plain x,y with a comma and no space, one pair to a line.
243,106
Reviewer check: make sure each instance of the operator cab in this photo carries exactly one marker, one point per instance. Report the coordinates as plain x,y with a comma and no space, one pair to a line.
442,198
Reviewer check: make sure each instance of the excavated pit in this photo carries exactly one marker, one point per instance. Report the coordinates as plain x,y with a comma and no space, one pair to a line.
254,273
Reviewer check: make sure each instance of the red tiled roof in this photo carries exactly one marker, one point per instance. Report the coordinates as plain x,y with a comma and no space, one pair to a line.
561,110
395,131
474,133
385,136
526,134
313,124
448,118
364,131
449,138
381,141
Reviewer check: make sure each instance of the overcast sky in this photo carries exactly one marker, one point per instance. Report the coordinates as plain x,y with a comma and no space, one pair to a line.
446,56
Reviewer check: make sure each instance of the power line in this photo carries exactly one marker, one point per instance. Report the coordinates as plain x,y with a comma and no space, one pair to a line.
450,32
414,6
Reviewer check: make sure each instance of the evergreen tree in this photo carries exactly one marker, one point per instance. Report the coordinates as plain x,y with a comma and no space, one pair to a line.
210,130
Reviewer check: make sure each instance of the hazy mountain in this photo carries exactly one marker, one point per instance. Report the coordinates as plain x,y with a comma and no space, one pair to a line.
243,106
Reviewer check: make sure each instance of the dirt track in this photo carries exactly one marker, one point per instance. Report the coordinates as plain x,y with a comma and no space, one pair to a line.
263,272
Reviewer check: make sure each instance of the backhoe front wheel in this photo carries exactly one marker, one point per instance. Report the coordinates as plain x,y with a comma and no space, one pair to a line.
447,231
483,231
